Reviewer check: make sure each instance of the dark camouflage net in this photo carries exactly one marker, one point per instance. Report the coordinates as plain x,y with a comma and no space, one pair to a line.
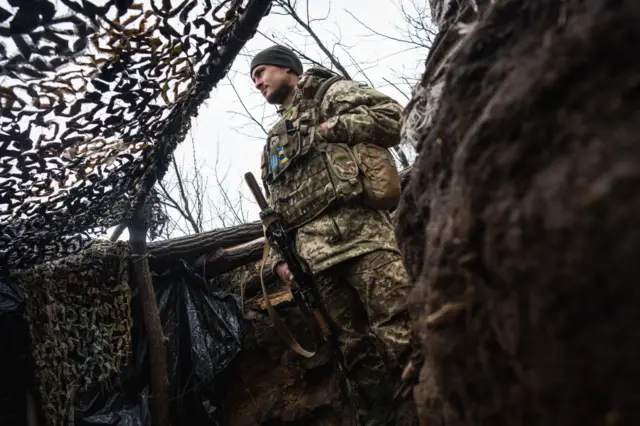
95,96
90,101
78,311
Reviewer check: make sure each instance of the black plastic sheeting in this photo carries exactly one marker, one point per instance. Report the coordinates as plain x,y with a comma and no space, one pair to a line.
204,332
14,363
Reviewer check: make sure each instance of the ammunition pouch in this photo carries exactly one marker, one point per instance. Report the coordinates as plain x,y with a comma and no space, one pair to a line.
378,175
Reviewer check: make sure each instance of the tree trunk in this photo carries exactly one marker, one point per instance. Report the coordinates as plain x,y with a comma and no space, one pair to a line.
520,225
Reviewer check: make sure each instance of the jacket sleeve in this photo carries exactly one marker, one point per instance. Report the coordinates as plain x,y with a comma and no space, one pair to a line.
358,113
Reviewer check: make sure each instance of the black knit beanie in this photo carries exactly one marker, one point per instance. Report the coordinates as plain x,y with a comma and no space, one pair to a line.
280,56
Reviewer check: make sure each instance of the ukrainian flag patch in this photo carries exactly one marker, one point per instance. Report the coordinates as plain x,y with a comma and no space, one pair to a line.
282,156
364,85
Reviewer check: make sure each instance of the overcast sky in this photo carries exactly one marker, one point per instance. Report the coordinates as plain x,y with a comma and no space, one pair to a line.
227,140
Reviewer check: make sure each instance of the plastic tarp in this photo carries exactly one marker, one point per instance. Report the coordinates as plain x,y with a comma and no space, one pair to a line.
204,332
14,338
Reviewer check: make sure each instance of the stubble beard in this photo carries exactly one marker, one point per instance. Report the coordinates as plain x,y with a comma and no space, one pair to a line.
280,95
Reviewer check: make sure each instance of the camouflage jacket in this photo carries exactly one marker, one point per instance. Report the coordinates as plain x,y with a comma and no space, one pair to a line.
356,112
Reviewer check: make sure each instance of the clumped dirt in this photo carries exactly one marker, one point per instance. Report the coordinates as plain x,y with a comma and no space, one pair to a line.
521,223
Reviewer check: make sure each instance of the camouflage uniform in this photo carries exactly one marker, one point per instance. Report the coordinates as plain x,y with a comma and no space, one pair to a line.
352,251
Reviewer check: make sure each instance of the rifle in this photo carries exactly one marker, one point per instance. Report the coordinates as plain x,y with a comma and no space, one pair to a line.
304,290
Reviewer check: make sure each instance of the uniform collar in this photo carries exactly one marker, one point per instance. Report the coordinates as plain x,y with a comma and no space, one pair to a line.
296,98
308,84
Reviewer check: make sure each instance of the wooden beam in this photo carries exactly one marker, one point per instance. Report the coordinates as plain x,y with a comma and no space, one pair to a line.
191,247
223,260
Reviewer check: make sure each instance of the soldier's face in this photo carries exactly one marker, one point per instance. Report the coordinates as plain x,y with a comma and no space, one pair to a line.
275,83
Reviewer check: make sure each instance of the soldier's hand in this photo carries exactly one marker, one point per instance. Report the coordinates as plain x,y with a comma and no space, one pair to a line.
282,269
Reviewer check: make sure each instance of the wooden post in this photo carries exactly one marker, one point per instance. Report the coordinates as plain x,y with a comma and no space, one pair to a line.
159,391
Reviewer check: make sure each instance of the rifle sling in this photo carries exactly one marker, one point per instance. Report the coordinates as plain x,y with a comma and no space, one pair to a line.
278,324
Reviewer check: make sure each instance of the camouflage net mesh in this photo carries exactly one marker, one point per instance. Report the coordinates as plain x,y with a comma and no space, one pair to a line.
80,331
93,103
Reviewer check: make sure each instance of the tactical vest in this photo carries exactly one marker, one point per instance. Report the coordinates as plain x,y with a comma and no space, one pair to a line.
303,175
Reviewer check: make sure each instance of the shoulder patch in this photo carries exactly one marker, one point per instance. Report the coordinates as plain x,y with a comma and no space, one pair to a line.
364,85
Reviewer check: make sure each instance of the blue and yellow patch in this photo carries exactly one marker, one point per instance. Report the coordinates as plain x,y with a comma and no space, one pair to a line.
282,156
277,158
364,85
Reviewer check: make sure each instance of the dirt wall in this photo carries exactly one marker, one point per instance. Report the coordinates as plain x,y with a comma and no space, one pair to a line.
521,223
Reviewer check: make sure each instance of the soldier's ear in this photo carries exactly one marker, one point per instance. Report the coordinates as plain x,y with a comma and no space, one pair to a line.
293,76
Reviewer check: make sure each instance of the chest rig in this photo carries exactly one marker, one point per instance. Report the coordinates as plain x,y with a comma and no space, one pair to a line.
303,173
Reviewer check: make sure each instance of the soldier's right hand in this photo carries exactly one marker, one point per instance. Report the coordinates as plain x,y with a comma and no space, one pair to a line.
282,269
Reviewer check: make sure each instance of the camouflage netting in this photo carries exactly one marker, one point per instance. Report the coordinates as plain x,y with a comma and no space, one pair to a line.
93,104
95,97
88,346
80,331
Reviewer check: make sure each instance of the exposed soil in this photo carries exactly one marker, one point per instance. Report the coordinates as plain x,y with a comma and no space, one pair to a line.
268,384
521,223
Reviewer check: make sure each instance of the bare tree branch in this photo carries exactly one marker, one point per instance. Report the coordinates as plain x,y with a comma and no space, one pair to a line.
407,97
292,47
290,8
198,187
246,109
418,21
185,200
399,40
168,201
358,67
225,196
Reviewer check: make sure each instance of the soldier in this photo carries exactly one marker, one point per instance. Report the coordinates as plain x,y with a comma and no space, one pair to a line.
309,174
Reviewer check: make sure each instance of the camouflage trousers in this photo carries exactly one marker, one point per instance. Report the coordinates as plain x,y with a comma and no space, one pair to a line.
366,299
